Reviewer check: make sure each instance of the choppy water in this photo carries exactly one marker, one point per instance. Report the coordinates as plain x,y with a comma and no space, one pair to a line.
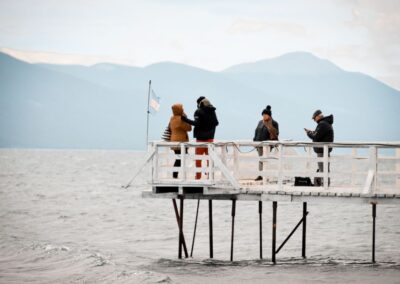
64,218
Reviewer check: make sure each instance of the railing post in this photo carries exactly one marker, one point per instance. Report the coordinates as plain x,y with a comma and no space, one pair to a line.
374,166
154,170
353,165
211,162
224,150
183,162
280,167
309,155
264,163
235,161
370,183
326,167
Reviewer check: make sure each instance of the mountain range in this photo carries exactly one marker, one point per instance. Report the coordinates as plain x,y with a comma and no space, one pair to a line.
104,106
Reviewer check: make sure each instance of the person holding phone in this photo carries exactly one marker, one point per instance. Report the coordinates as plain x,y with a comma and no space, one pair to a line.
322,133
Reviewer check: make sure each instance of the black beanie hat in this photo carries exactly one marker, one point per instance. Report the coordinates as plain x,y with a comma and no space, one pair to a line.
200,99
267,110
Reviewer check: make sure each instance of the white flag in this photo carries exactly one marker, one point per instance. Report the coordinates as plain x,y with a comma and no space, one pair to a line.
154,102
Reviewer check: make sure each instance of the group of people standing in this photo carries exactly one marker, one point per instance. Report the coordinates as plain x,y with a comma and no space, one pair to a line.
205,122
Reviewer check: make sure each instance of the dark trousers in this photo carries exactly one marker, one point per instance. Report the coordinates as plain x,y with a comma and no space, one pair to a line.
319,181
177,162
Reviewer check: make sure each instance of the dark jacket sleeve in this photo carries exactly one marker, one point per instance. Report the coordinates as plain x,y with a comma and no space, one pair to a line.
255,133
195,122
319,132
310,134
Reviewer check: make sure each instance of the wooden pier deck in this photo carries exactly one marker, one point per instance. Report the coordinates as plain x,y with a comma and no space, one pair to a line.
359,172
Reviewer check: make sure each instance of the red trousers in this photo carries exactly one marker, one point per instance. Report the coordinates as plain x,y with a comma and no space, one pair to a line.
201,151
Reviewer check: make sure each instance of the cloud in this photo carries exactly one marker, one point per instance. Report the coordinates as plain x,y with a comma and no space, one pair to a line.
381,20
242,26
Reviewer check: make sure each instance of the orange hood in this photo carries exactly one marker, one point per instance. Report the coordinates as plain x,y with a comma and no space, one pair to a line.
177,109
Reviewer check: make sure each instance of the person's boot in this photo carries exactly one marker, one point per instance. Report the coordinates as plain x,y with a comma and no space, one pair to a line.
258,178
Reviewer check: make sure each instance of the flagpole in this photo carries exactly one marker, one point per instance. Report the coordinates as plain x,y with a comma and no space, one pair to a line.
148,113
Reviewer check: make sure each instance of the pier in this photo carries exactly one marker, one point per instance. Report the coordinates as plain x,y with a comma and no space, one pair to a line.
359,173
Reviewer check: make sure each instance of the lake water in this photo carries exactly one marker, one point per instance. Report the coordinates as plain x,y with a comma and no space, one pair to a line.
64,218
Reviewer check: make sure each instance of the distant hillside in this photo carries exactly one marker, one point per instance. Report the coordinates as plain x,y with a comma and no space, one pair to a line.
104,106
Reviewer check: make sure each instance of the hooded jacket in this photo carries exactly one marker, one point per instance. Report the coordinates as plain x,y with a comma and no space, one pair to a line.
323,132
205,121
179,128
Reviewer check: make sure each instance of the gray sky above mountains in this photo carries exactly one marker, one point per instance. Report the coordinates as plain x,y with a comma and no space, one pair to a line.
358,35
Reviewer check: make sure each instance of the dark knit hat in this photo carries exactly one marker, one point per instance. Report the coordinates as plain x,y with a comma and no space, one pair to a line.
200,99
316,113
267,110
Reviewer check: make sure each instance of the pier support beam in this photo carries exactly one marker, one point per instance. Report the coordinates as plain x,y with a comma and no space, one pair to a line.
303,246
210,227
373,230
260,217
179,228
233,225
195,227
274,209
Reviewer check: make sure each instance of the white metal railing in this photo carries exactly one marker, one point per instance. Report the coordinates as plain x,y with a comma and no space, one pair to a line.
357,166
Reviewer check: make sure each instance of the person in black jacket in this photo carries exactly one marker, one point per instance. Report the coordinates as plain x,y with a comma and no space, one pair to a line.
205,122
267,129
323,133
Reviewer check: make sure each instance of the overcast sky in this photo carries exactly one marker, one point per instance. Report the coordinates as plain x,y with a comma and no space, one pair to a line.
358,35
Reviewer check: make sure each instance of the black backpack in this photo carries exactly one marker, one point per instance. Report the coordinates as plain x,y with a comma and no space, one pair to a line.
302,181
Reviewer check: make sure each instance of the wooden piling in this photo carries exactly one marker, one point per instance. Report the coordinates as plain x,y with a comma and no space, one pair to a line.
303,247
180,228
233,225
274,209
260,219
373,230
210,227
180,231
